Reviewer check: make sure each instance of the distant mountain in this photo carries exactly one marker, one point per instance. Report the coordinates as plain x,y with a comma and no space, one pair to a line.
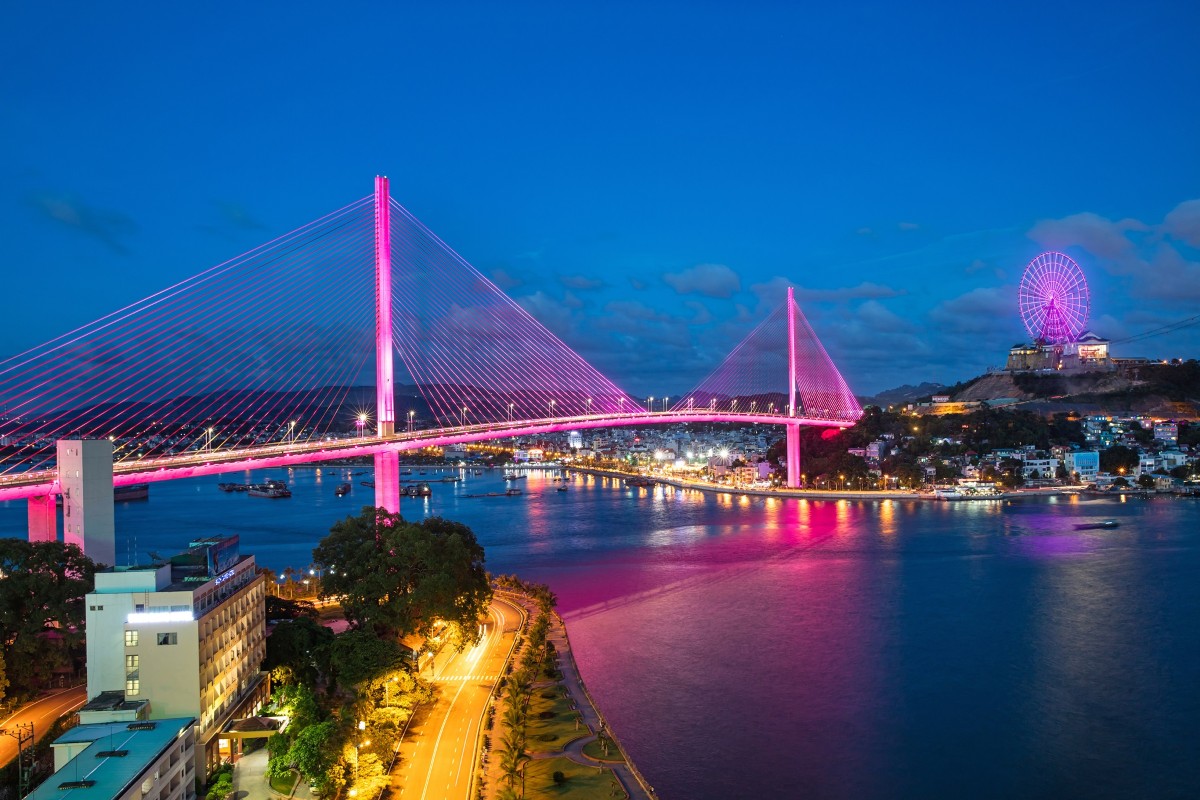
903,394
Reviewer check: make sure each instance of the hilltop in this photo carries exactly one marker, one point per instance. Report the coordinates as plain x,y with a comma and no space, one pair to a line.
1159,390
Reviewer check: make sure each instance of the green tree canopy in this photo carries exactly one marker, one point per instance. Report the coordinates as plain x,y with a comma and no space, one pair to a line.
1119,457
399,577
359,656
297,650
42,585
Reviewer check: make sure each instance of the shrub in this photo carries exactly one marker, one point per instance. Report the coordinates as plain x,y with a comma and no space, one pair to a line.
559,777
547,715
547,737
550,695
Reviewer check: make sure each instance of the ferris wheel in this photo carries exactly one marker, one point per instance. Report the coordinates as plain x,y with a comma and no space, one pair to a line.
1054,299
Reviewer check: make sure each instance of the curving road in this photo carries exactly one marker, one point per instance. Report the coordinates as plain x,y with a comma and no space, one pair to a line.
439,754
43,713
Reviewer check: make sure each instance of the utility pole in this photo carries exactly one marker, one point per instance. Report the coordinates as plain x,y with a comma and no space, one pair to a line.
23,733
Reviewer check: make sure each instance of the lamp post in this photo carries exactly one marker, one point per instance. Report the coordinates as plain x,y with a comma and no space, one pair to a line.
411,420
208,441
550,408
691,400
665,401
362,422
291,431
462,420
650,404
589,406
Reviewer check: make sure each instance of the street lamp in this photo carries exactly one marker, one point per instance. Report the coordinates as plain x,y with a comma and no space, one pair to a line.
511,407
650,404
462,420
691,400
589,406
843,480
292,431
411,420
550,408
665,400
362,422
620,405
208,442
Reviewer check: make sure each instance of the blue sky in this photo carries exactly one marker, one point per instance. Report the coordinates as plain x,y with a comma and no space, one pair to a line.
645,178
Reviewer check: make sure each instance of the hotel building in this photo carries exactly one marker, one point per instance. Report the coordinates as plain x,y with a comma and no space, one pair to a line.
188,636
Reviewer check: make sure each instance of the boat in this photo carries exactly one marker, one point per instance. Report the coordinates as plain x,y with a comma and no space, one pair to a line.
512,492
1107,524
342,490
368,484
406,472
562,488
513,476
269,491
136,491
638,481
228,487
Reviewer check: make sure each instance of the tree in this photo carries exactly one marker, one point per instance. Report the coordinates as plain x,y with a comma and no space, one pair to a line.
1145,481
314,752
42,585
1119,457
399,577
3,679
297,651
358,656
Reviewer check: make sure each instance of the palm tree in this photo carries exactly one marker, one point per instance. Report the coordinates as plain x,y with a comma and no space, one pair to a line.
511,761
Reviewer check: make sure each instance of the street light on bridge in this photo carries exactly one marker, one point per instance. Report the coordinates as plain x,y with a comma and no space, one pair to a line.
550,408
511,408
292,431
362,422
665,401
411,420
589,406
208,441
650,403
462,420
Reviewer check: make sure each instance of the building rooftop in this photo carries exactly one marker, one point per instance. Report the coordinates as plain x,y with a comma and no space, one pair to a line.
113,701
94,774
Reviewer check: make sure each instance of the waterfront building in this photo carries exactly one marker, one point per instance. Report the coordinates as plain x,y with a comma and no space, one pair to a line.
1084,463
188,636
1167,432
124,761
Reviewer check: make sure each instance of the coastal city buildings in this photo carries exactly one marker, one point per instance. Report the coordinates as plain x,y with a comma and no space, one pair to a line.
188,636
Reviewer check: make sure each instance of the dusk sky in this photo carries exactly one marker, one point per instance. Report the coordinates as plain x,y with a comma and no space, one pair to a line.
645,178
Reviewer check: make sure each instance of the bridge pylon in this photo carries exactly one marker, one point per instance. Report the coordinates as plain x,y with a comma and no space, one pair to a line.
793,430
387,464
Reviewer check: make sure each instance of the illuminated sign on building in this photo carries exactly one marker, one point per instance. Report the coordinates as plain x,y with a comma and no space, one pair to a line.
143,617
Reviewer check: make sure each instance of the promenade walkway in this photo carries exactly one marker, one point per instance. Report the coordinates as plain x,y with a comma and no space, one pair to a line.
633,783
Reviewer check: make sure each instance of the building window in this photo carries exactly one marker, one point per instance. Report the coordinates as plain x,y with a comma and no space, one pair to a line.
168,638
131,638
131,667
132,687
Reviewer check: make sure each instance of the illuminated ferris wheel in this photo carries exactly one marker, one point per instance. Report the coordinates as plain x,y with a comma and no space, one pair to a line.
1054,299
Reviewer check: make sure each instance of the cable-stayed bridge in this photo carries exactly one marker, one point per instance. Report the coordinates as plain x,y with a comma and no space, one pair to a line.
248,364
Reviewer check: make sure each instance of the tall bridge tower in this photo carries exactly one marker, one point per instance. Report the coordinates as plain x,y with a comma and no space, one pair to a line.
387,464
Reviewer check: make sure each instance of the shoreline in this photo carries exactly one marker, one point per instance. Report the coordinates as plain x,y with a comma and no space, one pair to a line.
626,774
853,494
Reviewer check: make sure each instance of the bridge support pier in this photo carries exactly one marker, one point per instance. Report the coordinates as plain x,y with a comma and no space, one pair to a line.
793,456
85,475
43,519
387,480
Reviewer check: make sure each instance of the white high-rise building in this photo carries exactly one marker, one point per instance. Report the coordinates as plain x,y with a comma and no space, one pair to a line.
188,636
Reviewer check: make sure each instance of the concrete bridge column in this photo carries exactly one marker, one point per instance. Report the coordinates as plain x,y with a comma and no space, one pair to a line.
387,480
43,518
85,475
793,455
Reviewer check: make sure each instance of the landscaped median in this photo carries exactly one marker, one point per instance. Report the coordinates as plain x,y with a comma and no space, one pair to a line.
542,732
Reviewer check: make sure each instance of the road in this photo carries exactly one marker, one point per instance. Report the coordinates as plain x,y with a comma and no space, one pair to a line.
43,714
438,756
